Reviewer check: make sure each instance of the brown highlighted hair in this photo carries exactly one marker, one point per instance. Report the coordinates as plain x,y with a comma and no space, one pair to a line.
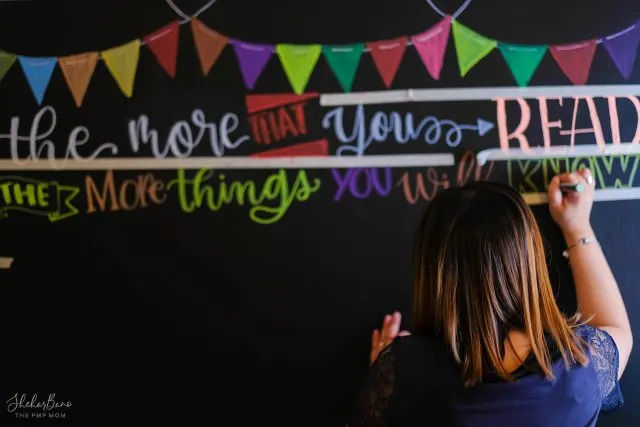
479,272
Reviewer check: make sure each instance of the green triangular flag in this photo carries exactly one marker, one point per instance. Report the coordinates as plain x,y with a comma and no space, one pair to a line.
298,62
6,61
471,47
522,60
344,61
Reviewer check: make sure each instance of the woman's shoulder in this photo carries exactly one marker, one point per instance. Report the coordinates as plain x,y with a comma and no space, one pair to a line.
415,354
424,345
597,339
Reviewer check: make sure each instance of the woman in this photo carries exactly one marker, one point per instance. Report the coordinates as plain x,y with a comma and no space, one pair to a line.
490,347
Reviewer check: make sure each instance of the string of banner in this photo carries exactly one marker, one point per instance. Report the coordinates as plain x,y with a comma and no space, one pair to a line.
299,61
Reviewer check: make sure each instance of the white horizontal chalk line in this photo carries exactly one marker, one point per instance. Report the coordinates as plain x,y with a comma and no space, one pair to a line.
606,195
234,162
591,150
475,94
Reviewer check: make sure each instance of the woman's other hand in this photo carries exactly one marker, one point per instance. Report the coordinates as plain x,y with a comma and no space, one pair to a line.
380,338
571,210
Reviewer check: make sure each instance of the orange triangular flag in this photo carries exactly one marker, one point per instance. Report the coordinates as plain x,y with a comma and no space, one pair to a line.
77,71
208,43
164,45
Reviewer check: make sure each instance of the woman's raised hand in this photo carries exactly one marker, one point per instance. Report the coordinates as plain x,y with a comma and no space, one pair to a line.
380,338
572,210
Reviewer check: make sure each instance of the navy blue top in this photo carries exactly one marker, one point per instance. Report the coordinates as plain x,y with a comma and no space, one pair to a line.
414,382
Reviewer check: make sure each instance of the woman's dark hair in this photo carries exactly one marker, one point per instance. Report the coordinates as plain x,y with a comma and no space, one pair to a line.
479,272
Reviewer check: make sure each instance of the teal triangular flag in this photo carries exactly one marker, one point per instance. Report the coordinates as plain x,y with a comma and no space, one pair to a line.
522,60
38,72
344,61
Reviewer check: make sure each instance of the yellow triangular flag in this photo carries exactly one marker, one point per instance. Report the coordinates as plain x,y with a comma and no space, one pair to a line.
122,62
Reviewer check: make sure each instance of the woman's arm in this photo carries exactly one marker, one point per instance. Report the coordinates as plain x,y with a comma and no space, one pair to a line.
596,288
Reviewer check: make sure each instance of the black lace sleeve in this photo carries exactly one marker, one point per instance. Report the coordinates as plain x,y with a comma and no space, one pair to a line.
373,407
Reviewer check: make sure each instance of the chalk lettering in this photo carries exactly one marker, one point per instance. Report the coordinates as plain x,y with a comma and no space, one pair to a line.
361,182
534,175
425,186
578,104
519,132
383,126
595,120
198,192
37,197
468,166
435,182
276,125
41,146
182,139
131,194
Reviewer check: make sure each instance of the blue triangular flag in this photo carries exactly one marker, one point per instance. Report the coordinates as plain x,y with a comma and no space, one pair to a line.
38,72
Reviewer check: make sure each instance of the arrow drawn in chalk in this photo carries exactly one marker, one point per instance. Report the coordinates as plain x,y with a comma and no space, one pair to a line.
453,136
483,127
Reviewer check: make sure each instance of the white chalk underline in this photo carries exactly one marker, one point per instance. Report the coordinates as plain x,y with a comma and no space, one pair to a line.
317,162
475,94
605,195
558,151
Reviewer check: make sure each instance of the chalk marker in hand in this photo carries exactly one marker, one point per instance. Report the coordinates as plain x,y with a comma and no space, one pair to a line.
572,188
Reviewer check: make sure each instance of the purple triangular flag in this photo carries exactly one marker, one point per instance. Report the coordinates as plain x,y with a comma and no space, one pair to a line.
252,59
623,48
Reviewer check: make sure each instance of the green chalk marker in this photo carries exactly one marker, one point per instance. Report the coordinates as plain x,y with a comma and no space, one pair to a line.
576,188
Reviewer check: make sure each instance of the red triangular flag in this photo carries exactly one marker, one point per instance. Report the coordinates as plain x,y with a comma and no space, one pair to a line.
164,44
575,60
387,55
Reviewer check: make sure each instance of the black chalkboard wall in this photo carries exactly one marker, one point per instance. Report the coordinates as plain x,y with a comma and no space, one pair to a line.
158,294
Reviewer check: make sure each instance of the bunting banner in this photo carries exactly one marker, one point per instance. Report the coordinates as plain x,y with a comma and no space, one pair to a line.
77,71
122,62
299,61
387,55
523,61
38,73
344,61
432,45
575,60
471,47
209,44
164,45
252,58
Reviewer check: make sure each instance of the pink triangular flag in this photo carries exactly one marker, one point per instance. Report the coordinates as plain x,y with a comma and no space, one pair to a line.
387,55
432,45
575,60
